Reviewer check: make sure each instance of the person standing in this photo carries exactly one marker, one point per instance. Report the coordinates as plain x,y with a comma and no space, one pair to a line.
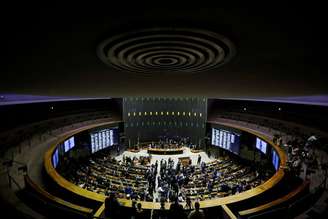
161,213
140,214
112,206
199,159
176,210
197,213
118,149
188,205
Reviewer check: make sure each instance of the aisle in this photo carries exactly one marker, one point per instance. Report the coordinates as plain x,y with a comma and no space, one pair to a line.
155,157
155,194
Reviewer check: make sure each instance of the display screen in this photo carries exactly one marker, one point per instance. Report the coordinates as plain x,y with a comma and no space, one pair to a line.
261,145
69,144
275,159
103,138
226,140
55,158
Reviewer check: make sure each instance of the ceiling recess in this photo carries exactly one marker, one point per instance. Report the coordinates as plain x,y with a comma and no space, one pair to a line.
166,50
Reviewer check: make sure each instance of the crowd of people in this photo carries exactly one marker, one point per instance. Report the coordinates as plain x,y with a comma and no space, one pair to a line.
176,210
103,174
168,143
301,154
185,185
137,179
142,160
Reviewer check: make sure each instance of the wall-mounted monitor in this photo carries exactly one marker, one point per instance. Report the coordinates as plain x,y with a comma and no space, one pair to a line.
69,144
261,145
55,158
275,159
226,139
103,138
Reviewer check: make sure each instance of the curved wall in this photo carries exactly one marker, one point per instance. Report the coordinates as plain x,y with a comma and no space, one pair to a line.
12,116
72,188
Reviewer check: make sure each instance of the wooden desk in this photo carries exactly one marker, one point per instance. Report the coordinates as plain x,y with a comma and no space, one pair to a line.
185,161
276,202
60,202
165,151
51,171
195,151
134,150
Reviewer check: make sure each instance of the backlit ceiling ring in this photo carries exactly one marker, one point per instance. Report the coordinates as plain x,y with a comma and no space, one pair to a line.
166,50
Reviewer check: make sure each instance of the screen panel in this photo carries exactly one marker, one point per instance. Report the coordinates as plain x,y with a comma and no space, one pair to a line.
261,145
69,144
275,159
103,138
226,139
55,158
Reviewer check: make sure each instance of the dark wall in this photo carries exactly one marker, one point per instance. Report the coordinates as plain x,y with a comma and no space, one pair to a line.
310,115
154,118
12,116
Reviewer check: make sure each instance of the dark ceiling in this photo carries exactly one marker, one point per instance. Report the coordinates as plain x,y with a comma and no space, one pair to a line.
52,51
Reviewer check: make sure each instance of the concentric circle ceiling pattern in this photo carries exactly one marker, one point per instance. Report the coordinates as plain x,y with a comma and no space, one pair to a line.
166,50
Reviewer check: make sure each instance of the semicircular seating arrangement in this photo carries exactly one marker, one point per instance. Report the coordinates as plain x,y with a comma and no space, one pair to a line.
103,174
131,178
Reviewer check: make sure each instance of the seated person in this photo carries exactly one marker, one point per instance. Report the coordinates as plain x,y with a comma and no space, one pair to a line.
128,190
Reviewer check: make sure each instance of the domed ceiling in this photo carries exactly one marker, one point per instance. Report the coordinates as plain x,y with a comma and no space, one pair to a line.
89,51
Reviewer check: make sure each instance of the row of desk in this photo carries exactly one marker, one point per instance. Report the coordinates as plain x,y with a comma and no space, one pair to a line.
165,151
70,187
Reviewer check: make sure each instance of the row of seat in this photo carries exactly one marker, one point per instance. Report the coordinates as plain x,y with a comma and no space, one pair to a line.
232,175
278,206
103,174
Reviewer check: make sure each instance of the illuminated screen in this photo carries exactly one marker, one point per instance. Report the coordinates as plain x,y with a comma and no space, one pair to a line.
226,140
275,159
69,144
261,145
103,138
55,158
